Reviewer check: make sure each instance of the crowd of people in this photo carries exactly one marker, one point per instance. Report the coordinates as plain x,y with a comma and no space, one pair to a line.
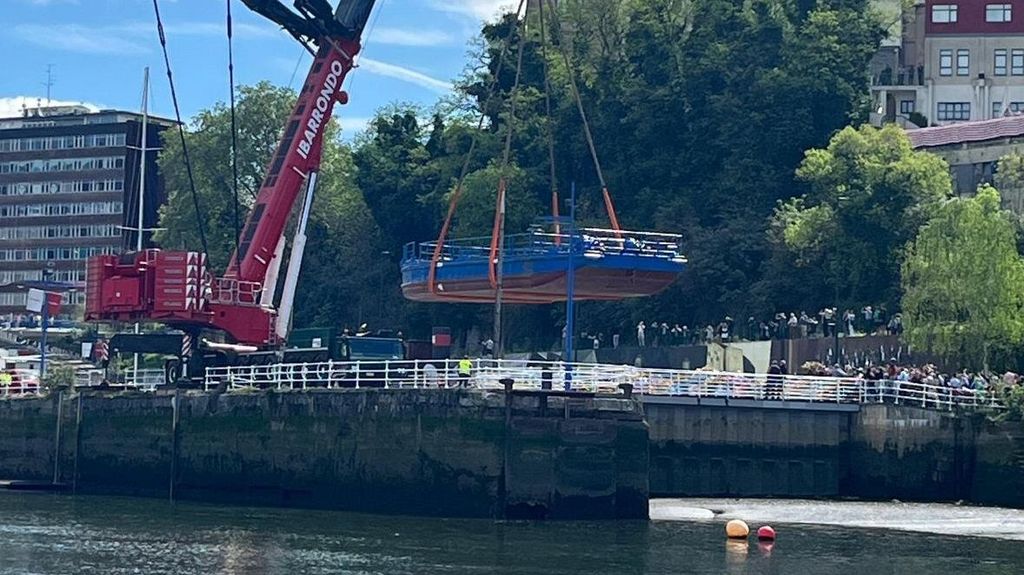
870,320
925,382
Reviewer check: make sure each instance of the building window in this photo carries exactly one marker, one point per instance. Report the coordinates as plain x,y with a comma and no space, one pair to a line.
1017,62
997,109
954,111
906,107
997,12
944,13
1000,62
61,142
945,62
963,62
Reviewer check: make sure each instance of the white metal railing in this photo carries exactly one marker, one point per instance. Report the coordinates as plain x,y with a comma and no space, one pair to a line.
23,382
145,379
591,242
601,378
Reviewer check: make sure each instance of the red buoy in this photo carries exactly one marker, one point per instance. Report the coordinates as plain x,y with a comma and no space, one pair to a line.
766,533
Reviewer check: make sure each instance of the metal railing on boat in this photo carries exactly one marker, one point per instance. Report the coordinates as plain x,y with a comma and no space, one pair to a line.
593,242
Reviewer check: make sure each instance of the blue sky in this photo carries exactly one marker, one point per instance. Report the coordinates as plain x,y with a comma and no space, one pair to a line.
98,49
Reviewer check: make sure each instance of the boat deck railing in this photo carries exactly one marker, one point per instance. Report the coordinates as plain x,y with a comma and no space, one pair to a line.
588,242
597,378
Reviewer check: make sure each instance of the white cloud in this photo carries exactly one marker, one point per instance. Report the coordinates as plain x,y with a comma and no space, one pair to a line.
125,36
351,125
400,37
12,107
478,9
405,74
239,29
76,38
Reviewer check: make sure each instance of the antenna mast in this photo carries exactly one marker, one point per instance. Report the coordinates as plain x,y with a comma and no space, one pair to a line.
49,82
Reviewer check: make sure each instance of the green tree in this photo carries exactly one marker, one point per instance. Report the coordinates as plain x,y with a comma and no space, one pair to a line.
1009,180
963,281
869,194
701,111
261,112
392,174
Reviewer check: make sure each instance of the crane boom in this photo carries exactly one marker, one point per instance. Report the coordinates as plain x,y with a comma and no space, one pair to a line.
175,287
298,153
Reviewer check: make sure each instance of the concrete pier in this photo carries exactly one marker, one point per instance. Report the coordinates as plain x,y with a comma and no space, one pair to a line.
427,452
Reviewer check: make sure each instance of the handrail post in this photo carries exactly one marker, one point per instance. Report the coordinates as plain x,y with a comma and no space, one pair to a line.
358,373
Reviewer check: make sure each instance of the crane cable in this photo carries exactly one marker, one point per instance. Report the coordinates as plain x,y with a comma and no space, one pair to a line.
550,130
181,129
443,235
234,130
493,269
609,206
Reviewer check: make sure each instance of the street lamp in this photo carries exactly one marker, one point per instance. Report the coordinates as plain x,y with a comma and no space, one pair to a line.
47,274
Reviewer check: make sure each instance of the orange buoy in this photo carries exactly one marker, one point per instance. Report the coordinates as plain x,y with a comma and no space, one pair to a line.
736,529
766,533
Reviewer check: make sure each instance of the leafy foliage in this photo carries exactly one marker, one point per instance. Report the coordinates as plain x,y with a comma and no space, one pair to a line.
261,112
869,194
701,111
964,281
57,378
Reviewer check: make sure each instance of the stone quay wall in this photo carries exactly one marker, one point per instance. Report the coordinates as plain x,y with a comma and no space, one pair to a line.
428,452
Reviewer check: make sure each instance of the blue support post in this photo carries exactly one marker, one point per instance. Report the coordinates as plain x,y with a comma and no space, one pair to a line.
570,284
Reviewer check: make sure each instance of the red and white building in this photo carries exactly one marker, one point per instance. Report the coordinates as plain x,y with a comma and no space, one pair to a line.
958,60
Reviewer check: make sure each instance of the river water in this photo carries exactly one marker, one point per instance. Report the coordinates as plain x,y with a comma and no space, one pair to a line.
55,534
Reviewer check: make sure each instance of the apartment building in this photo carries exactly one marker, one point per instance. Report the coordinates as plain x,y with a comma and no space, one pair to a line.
958,61
69,189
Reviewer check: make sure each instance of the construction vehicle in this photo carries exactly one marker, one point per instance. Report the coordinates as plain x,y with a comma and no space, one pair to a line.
176,288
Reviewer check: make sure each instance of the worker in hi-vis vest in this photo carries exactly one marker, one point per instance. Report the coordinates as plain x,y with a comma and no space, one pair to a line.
465,370
5,382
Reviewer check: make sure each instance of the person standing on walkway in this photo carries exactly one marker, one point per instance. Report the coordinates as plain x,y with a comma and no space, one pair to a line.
5,382
465,371
640,335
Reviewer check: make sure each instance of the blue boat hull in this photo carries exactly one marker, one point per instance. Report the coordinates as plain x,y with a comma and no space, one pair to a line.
541,278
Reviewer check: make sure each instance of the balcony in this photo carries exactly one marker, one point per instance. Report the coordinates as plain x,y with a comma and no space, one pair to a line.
902,76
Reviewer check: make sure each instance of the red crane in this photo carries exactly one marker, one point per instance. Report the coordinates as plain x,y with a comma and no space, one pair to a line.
176,287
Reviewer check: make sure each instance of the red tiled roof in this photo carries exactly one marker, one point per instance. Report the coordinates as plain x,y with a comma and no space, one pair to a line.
967,132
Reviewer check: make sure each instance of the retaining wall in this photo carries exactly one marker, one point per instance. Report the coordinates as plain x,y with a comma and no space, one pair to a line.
716,451
449,452
875,452
471,453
